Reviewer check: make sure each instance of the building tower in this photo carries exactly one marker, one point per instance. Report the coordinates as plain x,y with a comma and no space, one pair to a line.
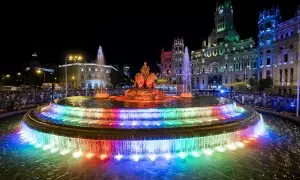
177,60
166,65
267,23
223,21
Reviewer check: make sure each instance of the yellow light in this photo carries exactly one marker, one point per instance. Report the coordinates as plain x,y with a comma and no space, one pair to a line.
38,71
73,77
7,75
79,58
70,58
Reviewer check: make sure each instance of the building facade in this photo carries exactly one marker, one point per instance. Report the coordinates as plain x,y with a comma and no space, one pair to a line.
166,66
224,58
173,67
279,49
85,75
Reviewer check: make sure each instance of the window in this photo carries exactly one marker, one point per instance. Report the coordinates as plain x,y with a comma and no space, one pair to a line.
268,61
291,33
285,75
268,73
202,81
82,77
291,76
281,36
285,57
170,66
220,24
180,71
291,46
280,75
268,51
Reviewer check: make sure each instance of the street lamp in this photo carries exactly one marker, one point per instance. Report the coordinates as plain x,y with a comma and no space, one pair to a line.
40,71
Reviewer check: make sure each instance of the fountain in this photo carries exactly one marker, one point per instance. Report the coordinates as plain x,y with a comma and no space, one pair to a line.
143,124
101,63
187,75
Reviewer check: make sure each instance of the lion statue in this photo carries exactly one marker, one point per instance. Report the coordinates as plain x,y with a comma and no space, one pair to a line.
139,80
150,81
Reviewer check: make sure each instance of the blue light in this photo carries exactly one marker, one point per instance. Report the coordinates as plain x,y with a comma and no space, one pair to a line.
222,91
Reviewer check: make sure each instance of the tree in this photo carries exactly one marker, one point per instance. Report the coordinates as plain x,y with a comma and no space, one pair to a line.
240,86
253,84
265,84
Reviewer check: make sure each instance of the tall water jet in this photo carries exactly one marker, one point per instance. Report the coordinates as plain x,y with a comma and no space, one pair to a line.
101,74
100,57
186,74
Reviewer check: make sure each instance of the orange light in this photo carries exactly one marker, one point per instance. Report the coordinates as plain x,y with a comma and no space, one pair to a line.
89,155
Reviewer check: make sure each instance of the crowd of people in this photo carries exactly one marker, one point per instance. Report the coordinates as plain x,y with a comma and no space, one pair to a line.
25,99
275,102
17,100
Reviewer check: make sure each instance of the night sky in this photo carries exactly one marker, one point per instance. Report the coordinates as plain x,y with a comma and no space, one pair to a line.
126,33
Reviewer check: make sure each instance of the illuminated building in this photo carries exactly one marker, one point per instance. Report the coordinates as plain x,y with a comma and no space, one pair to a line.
223,58
279,49
126,70
79,75
172,67
166,66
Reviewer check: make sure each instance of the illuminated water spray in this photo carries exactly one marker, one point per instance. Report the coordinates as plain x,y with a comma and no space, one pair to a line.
186,70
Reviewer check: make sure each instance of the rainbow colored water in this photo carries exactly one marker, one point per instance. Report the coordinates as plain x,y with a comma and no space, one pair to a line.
169,143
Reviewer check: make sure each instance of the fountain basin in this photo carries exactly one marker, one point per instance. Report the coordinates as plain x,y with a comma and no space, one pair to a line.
128,132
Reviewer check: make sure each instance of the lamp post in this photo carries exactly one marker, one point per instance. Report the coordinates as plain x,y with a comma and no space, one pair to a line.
298,78
39,71
66,78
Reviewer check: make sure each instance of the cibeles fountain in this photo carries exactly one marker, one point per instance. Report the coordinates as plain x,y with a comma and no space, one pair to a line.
142,124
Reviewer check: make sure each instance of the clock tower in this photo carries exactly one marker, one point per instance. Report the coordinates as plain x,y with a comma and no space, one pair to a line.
223,21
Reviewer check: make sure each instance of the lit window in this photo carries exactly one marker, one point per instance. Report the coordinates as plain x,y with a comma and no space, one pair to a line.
96,69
